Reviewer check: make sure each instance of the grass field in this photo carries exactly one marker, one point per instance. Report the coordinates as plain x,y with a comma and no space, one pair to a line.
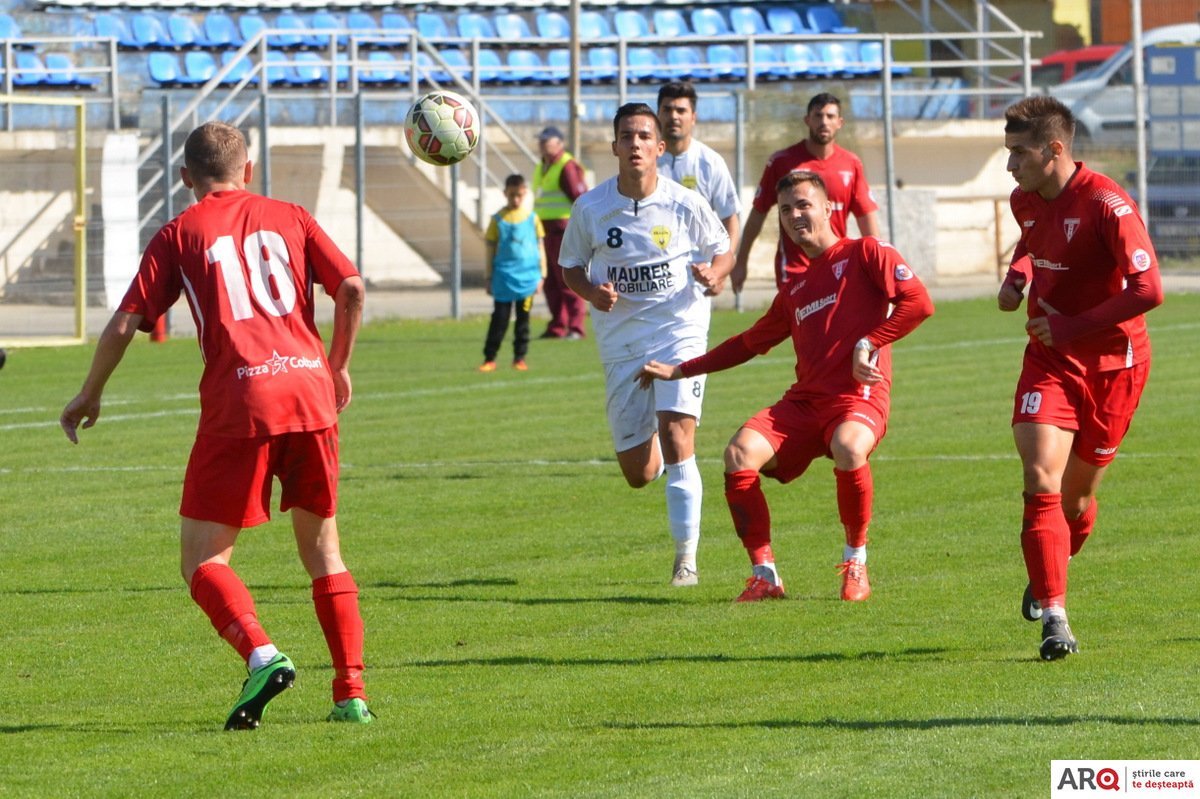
522,638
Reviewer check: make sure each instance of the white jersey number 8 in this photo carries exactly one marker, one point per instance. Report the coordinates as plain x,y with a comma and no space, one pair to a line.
266,257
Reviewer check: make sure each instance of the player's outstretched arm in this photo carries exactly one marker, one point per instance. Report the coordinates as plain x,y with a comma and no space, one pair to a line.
657,371
347,318
110,349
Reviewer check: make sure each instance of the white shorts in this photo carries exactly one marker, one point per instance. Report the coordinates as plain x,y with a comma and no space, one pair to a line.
632,411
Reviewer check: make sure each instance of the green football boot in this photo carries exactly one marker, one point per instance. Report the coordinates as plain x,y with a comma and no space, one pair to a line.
263,685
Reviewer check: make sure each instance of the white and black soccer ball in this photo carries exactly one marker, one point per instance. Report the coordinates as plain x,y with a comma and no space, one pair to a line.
442,128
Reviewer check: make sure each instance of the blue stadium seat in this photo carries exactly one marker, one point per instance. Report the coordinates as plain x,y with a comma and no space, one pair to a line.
430,70
825,19
62,71
871,54
840,58
397,27
631,24
164,70
221,31
9,29
279,69
552,25
645,63
251,25
786,20
707,21
603,64
148,32
512,27
688,61
310,68
670,23
28,69
432,26
524,66
769,62
458,63
491,67
240,69
362,22
748,21
558,63
113,26
325,20
199,65
801,60
295,32
726,60
473,25
185,34
593,25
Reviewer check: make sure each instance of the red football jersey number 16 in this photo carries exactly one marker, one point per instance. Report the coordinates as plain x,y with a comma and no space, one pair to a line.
270,274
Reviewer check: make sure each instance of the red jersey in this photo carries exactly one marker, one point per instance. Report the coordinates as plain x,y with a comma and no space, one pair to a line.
845,185
841,296
248,265
1075,253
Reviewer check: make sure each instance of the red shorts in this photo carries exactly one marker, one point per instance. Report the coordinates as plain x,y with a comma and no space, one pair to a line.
800,430
228,480
1098,406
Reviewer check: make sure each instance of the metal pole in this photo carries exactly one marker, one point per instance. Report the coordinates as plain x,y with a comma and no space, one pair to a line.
889,153
360,178
168,147
81,221
455,248
1139,103
573,90
739,160
264,149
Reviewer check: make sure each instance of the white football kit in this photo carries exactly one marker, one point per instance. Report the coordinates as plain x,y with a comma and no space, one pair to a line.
645,248
702,168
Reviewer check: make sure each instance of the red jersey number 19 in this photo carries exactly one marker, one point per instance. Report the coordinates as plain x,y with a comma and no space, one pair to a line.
1031,402
270,274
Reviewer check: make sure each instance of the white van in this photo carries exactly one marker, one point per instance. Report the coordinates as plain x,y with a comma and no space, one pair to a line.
1102,97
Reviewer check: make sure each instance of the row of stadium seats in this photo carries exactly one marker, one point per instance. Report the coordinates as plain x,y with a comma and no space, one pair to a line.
52,70
712,63
146,30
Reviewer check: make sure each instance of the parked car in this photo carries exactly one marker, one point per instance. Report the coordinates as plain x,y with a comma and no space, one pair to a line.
1102,97
1063,65
1173,211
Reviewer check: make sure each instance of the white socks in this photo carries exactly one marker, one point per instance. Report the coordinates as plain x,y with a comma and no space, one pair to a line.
854,553
261,656
684,495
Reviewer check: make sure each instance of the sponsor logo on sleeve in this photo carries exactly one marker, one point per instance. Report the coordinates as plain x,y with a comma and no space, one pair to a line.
1141,260
903,272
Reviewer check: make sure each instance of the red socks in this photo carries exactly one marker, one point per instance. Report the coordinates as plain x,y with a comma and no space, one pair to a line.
1046,544
223,597
751,516
855,492
1081,527
335,597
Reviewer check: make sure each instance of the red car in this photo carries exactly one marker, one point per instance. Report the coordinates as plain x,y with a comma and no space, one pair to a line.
1065,64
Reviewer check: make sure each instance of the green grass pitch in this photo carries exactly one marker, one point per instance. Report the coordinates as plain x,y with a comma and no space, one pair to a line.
522,637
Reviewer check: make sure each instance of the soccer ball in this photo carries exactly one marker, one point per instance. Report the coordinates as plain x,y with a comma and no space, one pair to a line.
442,128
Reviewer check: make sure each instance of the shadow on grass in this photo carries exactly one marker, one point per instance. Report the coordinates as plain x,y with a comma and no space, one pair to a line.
108,589
907,724
476,581
816,657
538,601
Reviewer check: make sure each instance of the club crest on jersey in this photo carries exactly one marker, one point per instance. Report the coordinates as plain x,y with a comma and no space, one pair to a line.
1070,225
1141,260
903,272
840,267
661,236
846,177
689,181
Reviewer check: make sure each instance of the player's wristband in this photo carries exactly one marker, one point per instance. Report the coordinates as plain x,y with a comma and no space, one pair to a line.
864,343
